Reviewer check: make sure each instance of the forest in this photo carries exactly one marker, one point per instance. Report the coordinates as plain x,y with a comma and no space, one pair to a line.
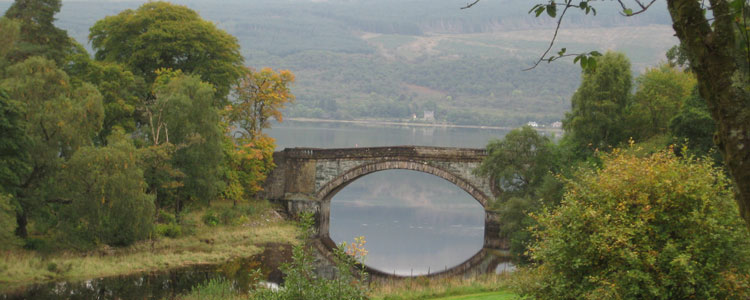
95,146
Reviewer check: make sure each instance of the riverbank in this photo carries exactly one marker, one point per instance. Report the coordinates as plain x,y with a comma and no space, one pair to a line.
208,245
415,124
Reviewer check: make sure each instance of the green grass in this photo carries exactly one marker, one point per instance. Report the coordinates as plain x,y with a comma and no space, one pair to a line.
208,245
502,295
490,285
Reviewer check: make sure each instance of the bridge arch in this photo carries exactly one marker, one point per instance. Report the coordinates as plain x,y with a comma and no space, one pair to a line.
327,191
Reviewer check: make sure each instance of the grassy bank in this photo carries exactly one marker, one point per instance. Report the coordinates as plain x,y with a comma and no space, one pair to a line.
207,245
489,286
484,287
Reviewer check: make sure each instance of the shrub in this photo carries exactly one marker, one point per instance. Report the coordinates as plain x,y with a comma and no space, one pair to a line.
643,228
165,217
214,289
169,230
210,219
8,239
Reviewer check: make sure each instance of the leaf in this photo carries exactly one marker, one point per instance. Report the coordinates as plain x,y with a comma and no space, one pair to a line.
534,8
539,10
552,10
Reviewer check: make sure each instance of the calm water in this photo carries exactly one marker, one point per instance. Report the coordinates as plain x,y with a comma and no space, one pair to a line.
334,135
414,222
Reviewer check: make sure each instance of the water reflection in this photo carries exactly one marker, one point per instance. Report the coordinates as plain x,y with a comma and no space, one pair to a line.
414,223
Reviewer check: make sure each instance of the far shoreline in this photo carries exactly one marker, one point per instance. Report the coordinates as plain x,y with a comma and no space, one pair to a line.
401,123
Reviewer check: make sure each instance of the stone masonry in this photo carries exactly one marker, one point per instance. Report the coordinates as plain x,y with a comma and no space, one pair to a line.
305,179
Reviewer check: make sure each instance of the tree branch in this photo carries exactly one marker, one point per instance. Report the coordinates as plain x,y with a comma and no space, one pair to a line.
554,37
470,4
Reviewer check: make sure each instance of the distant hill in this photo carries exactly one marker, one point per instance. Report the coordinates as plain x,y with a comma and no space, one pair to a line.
396,59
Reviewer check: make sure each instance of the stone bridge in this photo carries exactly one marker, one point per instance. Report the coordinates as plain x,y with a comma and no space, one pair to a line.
305,179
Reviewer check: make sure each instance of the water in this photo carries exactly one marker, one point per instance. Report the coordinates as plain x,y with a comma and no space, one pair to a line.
338,135
413,222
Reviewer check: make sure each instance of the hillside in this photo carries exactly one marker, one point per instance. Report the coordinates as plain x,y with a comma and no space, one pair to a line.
392,59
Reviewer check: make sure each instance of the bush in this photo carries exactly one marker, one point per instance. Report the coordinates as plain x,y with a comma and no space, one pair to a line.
658,227
165,217
169,230
8,239
214,289
210,219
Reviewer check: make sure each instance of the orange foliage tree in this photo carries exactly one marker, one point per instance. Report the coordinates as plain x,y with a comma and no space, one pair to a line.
259,96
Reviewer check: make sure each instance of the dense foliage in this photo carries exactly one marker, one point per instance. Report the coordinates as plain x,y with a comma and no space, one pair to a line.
596,120
111,204
95,151
523,167
657,227
162,35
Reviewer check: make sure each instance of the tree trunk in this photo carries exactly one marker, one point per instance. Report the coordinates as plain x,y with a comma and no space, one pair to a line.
21,221
711,51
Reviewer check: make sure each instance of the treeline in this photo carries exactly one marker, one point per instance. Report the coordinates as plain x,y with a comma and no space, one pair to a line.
361,86
632,202
96,151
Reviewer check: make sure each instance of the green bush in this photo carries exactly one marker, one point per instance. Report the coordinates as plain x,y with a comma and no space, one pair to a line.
214,289
169,230
657,227
8,239
231,216
165,217
210,219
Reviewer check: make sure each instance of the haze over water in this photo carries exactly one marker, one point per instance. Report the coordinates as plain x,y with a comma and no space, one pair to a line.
414,222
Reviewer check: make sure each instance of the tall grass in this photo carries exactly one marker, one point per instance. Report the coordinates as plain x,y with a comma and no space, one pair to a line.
208,245
428,288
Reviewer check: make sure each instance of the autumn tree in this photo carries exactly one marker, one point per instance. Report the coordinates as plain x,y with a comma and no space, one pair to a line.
39,36
59,119
596,119
160,35
260,96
